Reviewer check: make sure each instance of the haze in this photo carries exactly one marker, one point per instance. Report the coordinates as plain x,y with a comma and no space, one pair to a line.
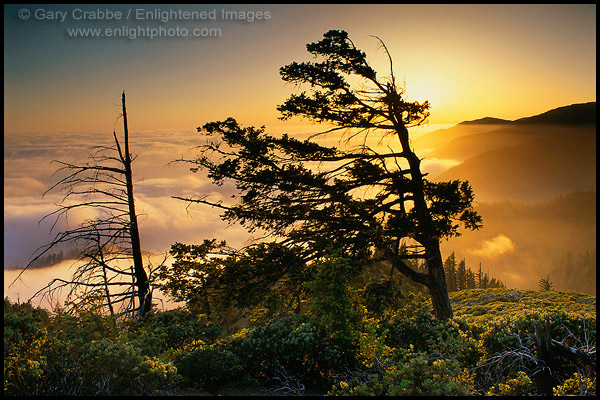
470,61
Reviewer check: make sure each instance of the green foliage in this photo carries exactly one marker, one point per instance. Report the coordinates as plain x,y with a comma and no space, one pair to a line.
208,367
388,348
520,385
422,333
382,297
502,321
483,306
413,375
164,332
192,275
576,385
24,339
117,368
331,303
213,279
289,346
76,355
109,365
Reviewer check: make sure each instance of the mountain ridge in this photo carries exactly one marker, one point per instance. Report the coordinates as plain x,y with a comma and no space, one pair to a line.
486,121
528,170
574,116
577,113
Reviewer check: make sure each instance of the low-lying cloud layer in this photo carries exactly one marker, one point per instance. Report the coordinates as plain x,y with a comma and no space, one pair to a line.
28,173
515,244
493,248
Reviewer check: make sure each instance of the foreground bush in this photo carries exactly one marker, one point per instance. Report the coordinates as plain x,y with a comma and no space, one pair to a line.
76,355
414,375
395,353
290,348
25,338
208,367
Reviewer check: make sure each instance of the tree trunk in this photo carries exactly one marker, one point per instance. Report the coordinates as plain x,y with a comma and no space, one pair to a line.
141,278
426,234
437,284
545,380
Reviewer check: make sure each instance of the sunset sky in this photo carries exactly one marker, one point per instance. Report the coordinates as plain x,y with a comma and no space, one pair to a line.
62,93
469,61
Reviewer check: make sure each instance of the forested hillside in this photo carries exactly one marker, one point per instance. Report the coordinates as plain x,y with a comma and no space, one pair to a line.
530,159
539,237
532,171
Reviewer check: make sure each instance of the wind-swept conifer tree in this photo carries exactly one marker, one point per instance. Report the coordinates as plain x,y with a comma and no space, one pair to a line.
372,204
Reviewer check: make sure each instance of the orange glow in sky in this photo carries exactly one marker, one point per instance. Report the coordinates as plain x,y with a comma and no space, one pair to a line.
469,61
64,75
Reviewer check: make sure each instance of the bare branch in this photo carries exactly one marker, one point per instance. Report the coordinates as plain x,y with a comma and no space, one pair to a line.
103,241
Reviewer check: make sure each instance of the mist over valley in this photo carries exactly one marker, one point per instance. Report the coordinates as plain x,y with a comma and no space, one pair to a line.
533,179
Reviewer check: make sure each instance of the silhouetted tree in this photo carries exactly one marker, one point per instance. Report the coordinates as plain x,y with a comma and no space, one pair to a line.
495,283
461,275
470,281
357,199
450,270
545,284
105,185
485,283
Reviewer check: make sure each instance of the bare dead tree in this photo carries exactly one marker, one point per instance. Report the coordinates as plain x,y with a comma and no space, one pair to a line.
108,243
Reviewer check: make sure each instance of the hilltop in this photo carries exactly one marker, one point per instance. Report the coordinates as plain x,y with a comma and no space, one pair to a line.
520,165
529,159
574,114
489,348
477,306
486,121
525,175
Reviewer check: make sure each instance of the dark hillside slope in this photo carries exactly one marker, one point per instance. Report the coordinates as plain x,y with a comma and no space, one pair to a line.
532,171
470,138
575,114
464,147
522,243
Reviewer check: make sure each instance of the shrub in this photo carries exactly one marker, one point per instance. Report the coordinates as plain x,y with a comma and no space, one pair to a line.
158,332
380,297
66,361
520,385
414,375
417,330
120,369
331,302
291,348
24,340
208,367
452,340
371,343
576,385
